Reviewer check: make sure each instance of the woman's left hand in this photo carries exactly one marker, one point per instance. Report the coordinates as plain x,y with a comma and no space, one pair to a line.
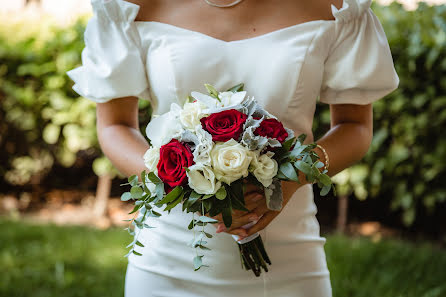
266,215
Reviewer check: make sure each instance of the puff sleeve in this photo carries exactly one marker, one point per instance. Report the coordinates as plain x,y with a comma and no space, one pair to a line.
112,61
359,68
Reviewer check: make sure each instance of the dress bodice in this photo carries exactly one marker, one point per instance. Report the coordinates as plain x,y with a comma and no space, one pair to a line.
345,60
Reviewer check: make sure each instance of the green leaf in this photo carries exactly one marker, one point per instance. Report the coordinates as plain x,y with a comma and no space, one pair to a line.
206,219
139,243
194,195
237,88
174,203
207,196
227,216
133,180
136,253
325,190
288,144
136,208
297,150
126,196
221,193
319,164
237,204
301,138
208,235
153,178
197,262
203,247
159,189
288,170
172,195
191,225
304,167
136,192
325,179
212,91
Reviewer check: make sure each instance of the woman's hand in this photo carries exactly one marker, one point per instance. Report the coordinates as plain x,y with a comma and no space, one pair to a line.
254,198
263,212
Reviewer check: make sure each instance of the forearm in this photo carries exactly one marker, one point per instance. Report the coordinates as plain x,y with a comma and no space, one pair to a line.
124,146
345,144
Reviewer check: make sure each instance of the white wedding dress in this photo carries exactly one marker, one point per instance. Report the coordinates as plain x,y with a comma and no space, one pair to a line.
345,60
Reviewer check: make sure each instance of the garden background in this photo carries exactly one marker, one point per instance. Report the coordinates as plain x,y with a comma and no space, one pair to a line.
385,230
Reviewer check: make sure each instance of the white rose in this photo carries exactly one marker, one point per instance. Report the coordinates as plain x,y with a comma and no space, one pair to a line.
202,179
264,168
151,158
230,161
191,114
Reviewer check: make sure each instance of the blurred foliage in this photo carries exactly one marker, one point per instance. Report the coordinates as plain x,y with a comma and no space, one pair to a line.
43,120
406,162
45,123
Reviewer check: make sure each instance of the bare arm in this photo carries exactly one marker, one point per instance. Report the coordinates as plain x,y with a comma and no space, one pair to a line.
119,135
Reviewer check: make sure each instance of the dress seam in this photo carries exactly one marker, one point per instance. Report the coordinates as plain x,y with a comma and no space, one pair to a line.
299,78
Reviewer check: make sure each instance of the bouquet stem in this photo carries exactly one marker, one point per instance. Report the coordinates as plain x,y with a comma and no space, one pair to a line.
254,256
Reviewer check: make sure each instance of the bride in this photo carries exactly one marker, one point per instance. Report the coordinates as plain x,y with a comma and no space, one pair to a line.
289,54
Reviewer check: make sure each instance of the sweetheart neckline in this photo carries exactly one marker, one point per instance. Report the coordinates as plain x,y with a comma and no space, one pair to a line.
265,35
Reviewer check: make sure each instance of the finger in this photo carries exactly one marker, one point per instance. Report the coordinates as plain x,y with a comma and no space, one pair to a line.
246,219
239,231
262,223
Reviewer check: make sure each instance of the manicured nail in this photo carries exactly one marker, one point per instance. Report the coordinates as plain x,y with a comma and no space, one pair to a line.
219,228
257,198
241,233
253,218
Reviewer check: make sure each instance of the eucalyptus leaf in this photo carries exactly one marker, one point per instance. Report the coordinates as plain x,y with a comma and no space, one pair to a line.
304,167
325,190
136,192
206,219
133,180
288,170
325,179
197,262
221,193
153,178
126,196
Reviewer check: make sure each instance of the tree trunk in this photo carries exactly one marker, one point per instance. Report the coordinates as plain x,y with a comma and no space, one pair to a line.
102,195
341,220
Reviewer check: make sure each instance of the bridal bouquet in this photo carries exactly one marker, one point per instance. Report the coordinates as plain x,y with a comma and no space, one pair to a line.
201,156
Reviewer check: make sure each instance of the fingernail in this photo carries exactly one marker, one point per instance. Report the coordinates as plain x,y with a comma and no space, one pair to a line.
253,218
242,233
219,228
257,197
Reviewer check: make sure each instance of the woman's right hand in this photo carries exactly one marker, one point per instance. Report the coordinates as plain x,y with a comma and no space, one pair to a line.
254,197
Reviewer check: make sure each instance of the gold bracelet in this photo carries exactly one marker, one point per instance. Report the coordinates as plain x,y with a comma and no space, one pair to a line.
327,161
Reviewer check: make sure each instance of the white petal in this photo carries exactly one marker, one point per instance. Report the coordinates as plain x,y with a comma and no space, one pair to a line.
205,99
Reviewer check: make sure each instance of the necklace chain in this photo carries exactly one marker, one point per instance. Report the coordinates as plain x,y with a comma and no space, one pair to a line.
223,5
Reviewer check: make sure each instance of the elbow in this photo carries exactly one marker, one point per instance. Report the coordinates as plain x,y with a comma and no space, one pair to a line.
364,138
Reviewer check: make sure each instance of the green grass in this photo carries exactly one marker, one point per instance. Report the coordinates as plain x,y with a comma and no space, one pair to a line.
47,261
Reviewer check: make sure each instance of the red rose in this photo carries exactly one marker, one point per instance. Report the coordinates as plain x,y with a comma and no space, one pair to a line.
224,125
272,128
174,156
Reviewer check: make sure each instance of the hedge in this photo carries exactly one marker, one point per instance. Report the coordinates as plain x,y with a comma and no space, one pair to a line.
44,123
